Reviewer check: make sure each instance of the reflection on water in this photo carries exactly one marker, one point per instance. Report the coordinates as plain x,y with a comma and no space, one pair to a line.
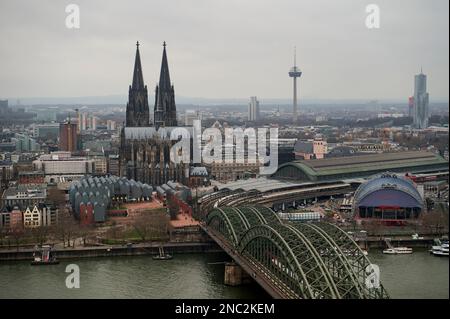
419,275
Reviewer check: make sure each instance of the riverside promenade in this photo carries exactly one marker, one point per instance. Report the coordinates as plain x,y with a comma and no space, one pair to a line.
152,248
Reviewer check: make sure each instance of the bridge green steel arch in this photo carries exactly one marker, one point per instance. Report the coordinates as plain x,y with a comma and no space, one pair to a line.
358,260
252,216
232,222
307,260
288,256
289,274
335,259
220,221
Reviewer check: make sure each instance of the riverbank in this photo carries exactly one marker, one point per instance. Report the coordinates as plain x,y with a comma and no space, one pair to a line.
26,253
114,250
380,243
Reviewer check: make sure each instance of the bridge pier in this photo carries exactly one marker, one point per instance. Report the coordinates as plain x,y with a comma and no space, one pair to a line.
235,275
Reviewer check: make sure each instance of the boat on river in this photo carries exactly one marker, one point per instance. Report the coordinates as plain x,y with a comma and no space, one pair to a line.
440,249
162,255
391,250
398,250
44,256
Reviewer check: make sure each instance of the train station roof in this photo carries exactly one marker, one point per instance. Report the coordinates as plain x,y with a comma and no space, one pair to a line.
361,166
261,184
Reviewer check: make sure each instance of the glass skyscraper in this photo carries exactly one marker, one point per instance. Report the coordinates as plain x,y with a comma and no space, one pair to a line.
421,101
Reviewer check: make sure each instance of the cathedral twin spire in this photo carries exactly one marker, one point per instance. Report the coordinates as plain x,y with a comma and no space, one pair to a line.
137,114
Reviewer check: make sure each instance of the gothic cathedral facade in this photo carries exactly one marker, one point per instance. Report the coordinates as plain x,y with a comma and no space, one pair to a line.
145,146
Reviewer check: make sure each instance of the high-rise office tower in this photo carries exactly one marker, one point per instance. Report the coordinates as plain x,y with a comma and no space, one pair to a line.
94,123
68,137
4,106
253,109
78,121
421,101
84,121
295,73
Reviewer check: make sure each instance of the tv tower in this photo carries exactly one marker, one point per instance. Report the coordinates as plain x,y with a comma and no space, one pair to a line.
295,73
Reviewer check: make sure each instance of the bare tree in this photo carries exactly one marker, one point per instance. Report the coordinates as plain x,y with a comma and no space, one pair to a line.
151,225
67,227
435,221
17,233
84,231
3,234
40,234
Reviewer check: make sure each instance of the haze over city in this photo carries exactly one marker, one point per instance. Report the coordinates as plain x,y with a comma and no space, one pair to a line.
225,49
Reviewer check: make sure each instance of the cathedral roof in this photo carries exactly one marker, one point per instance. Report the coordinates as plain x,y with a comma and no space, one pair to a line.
138,77
144,133
164,77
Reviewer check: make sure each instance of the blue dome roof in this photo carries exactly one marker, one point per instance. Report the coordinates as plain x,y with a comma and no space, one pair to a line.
388,189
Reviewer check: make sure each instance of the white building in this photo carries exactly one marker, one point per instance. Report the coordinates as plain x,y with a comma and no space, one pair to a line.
84,121
253,109
94,123
111,125
61,163
32,217
39,215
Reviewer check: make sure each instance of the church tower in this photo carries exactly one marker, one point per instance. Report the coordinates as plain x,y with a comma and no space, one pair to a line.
137,114
165,111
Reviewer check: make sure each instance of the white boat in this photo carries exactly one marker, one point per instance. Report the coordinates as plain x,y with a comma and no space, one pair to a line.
398,250
441,250
395,250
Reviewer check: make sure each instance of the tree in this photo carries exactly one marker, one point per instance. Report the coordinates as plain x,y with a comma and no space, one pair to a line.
67,227
435,221
373,227
40,234
17,233
151,225
84,231
3,233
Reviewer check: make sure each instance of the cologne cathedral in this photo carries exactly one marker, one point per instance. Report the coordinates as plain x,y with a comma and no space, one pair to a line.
145,146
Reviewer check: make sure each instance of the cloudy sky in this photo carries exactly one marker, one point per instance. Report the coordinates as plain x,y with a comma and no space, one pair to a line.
225,48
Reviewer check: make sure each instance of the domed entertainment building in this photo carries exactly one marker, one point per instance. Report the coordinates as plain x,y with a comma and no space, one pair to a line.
387,197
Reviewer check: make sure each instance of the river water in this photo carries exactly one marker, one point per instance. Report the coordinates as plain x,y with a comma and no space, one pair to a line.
419,275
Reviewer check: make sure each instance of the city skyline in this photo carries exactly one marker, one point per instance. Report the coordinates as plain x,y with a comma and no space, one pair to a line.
224,150
209,66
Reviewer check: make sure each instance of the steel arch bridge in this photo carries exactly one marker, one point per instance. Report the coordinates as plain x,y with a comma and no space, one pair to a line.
293,260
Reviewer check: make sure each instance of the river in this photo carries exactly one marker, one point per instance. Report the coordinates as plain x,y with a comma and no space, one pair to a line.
419,275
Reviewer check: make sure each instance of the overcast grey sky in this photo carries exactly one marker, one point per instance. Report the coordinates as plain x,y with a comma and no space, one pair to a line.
225,48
